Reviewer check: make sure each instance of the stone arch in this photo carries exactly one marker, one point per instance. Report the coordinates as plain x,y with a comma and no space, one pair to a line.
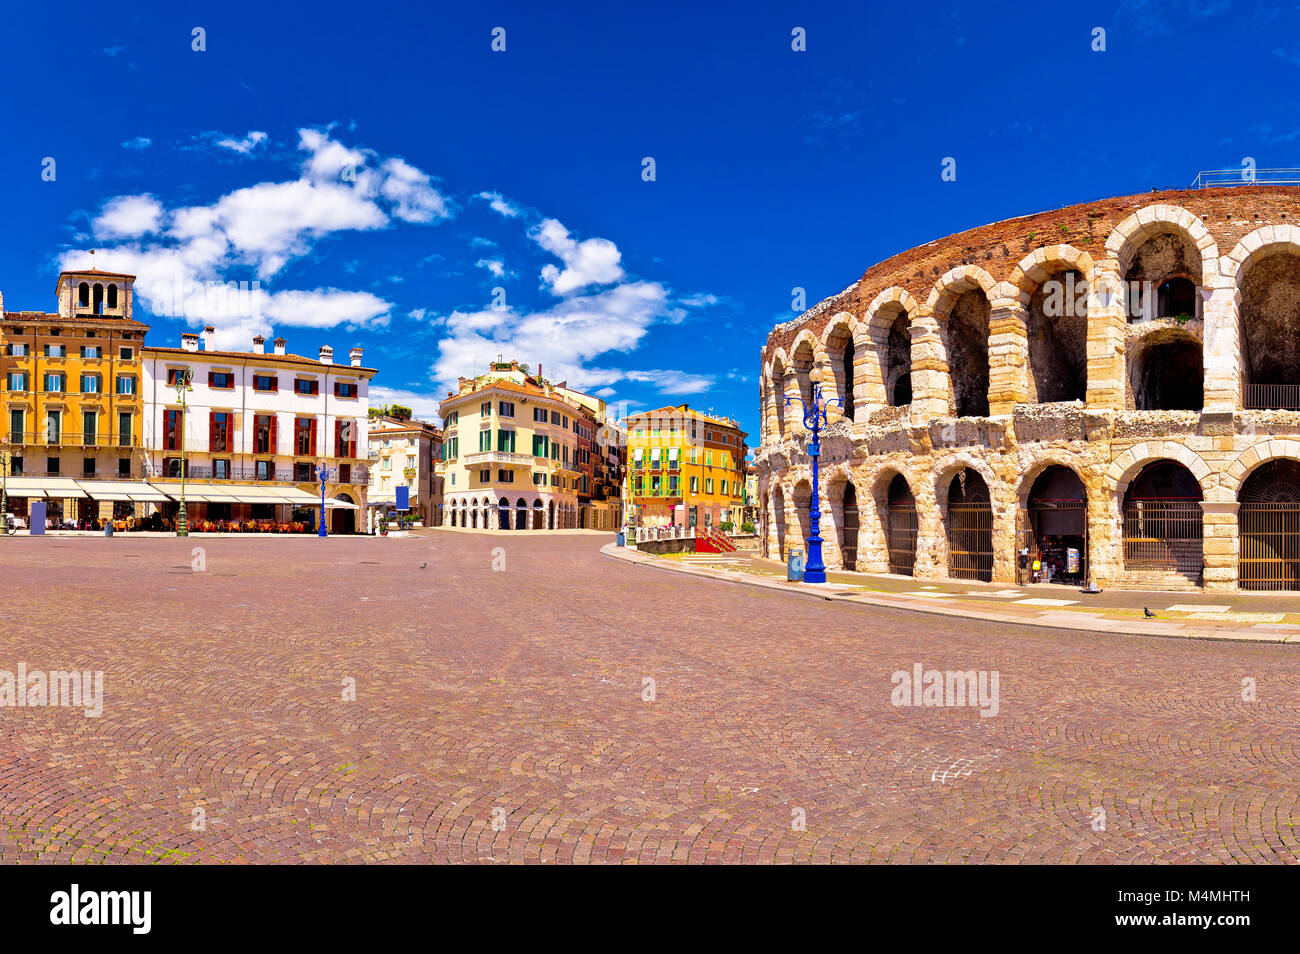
1248,461
1040,264
806,365
779,374
961,308
1165,371
1127,237
888,334
1056,458
1262,302
1130,463
839,344
777,529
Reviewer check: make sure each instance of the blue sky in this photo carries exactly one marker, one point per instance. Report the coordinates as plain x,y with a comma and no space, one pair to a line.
380,170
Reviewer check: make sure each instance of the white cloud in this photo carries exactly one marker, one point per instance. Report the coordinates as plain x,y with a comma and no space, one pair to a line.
254,232
499,204
138,143
243,146
326,308
593,261
128,216
412,193
113,50
494,265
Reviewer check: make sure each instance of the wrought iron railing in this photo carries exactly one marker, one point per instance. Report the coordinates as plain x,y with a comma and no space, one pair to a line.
1164,535
1244,176
1277,397
1269,546
62,438
970,541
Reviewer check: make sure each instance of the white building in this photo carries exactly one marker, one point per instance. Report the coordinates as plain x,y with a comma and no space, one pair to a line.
402,454
255,428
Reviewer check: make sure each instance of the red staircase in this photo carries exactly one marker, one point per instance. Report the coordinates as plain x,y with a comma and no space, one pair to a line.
709,540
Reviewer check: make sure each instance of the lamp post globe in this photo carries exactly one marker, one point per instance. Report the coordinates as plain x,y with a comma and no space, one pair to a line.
814,419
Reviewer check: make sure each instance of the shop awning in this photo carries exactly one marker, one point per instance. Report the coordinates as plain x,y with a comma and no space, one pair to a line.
332,504
56,487
125,490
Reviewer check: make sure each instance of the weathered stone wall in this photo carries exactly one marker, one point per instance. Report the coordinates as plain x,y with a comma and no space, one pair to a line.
1239,246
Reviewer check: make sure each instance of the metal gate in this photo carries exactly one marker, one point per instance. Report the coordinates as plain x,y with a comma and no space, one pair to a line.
849,543
1270,546
1043,531
900,537
1163,535
970,541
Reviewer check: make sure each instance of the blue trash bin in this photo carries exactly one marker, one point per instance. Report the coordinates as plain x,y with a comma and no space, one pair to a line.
108,528
622,539
794,565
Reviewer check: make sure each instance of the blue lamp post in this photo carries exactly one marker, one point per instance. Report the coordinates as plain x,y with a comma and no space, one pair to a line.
324,473
814,419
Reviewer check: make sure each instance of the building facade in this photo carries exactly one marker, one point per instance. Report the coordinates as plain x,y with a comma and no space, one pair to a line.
403,454
73,405
513,453
254,429
685,468
1111,389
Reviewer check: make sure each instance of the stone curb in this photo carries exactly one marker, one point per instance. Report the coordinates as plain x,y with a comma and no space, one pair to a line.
1135,628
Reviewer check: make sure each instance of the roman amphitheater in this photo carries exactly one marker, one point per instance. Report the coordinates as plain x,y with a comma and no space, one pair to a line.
1108,392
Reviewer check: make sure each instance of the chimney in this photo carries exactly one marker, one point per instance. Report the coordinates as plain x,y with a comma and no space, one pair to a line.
354,357
207,337
189,341
326,354
259,344
279,345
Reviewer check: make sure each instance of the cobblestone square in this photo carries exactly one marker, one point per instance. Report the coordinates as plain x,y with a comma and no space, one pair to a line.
567,707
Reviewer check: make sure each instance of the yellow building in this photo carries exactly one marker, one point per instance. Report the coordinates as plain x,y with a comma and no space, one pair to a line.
72,395
515,452
685,468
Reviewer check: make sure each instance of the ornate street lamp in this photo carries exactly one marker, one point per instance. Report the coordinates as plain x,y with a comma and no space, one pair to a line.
814,419
324,473
183,378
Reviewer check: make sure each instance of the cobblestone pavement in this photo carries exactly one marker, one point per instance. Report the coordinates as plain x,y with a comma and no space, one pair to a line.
499,717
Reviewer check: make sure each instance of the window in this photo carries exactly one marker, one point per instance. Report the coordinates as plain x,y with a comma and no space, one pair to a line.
555,417
172,467
345,440
56,351
539,415
506,408
452,418
90,384
506,441
539,479
16,427
126,354
174,376
171,430
221,469
264,434
386,464
125,384
485,409
219,431
265,470
88,467
302,473
89,426
505,476
18,349
345,389
485,476
708,485
221,380
306,386
304,437
345,473
15,466
51,465
124,467
695,485
540,448
91,351
53,427
724,488
672,484
53,383
484,441
265,382
17,381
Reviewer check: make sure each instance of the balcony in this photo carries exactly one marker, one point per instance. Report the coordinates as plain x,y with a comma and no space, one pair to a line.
281,475
498,458
69,439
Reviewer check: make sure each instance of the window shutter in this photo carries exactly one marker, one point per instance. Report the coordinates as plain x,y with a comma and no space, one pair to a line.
338,438
212,378
212,430
336,388
312,428
274,419
275,384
